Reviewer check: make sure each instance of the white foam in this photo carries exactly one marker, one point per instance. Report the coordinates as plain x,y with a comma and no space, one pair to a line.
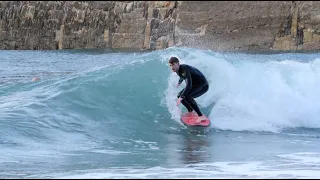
253,95
110,151
298,165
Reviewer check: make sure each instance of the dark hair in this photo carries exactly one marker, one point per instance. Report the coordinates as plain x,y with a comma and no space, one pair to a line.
173,60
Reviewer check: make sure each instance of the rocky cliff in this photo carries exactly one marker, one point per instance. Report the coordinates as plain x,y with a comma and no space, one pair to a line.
216,25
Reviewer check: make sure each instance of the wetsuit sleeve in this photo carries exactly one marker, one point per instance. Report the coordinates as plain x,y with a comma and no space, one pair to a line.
180,80
188,80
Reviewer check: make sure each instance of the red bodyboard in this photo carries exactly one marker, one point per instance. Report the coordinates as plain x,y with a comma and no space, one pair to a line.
189,119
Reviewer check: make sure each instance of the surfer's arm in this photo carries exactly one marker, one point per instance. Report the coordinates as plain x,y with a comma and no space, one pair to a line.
188,80
180,80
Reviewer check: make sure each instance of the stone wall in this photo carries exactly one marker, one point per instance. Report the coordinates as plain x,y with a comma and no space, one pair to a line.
216,25
304,26
233,25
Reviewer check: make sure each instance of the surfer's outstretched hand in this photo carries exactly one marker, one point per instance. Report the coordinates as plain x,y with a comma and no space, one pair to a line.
178,101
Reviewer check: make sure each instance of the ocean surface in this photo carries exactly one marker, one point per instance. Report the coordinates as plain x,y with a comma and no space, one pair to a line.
108,114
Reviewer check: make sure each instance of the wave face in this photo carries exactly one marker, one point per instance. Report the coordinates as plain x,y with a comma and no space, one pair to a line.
100,99
247,92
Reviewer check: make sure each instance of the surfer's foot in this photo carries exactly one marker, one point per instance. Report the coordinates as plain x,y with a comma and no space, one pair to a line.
190,112
201,118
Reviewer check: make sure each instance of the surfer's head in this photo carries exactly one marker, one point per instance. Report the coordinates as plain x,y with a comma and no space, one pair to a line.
174,64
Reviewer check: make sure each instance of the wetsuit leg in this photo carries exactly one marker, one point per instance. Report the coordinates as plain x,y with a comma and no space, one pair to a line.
184,102
194,93
187,105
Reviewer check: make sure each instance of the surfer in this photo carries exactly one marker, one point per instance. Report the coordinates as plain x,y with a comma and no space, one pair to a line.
196,85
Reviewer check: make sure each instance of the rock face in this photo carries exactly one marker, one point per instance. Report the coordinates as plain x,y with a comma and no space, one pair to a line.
216,25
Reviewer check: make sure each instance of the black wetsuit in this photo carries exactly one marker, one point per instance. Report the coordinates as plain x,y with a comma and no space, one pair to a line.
196,85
